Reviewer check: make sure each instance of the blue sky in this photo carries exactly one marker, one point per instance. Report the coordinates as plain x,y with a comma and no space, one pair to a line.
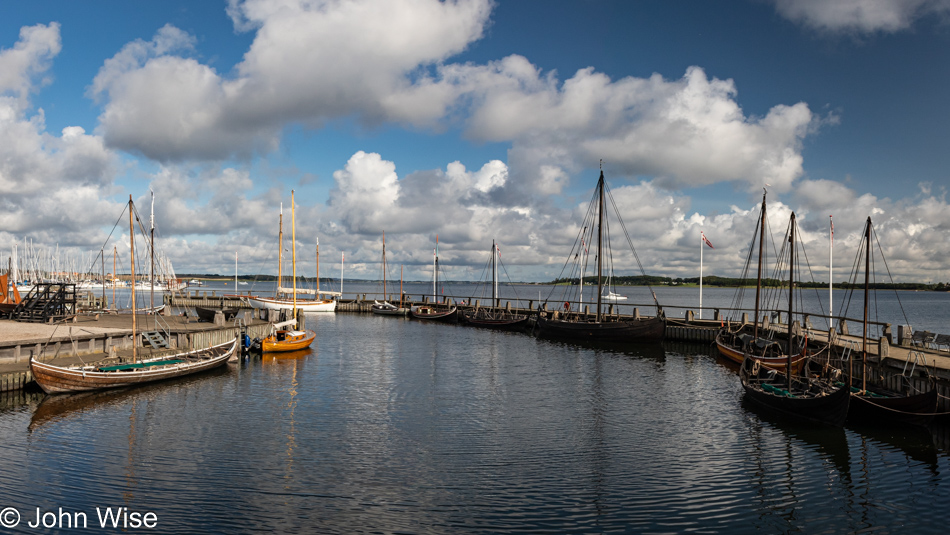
476,120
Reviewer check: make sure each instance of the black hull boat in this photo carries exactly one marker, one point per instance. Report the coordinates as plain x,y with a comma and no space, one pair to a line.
880,406
809,401
500,321
207,314
640,330
435,313
388,309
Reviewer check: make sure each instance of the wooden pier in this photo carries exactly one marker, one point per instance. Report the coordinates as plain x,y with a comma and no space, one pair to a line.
88,337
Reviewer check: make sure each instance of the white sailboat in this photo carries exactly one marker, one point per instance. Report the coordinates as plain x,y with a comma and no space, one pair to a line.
280,301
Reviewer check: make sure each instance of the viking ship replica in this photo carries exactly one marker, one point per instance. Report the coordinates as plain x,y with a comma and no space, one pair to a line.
494,317
113,373
575,322
806,397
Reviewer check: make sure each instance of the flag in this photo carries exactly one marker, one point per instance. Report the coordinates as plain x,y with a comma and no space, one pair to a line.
706,241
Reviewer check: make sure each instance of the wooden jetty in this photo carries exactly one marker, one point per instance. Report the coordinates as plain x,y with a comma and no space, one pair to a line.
87,338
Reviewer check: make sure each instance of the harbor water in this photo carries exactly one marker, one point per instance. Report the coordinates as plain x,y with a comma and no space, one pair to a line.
389,425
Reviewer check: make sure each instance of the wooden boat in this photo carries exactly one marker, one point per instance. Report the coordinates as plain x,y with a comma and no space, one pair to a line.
805,400
738,345
386,308
501,320
753,341
494,317
875,403
110,374
442,313
574,322
307,305
807,397
207,314
282,340
280,301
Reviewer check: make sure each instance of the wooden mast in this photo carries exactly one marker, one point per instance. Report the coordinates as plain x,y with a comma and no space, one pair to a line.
293,241
132,249
151,239
115,256
600,236
758,279
494,277
867,279
791,298
280,250
317,295
385,295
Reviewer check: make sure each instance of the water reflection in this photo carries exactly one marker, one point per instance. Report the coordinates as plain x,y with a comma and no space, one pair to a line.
400,426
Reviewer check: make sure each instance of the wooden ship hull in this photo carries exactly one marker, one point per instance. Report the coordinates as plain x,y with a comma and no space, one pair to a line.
388,309
430,313
307,305
877,406
816,402
283,341
640,330
737,355
80,378
504,321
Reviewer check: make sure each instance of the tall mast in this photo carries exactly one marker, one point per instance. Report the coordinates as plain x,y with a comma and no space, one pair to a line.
318,268
385,295
831,250
435,271
293,241
600,237
235,271
494,277
280,249
102,261
115,255
758,279
867,278
151,239
132,249
791,298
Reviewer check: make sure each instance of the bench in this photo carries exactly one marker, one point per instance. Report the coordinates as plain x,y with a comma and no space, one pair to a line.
942,341
924,339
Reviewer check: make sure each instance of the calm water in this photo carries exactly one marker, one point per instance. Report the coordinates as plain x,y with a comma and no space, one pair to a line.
395,426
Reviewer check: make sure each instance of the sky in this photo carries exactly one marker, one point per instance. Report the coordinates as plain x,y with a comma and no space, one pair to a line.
474,121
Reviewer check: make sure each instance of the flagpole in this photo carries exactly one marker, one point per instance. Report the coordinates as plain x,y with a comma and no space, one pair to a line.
701,275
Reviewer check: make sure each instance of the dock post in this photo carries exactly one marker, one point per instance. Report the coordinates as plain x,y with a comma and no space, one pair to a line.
301,320
690,316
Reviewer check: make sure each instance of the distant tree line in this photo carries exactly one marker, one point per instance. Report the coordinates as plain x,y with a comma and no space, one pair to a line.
730,282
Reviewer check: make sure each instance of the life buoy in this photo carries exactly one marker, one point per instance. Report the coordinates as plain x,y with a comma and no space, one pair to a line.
756,366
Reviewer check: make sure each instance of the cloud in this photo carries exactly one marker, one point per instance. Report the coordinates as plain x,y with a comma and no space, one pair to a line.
30,57
861,16
686,132
386,61
41,173
310,62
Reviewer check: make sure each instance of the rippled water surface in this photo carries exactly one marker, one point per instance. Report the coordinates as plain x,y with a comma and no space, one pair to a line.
394,426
